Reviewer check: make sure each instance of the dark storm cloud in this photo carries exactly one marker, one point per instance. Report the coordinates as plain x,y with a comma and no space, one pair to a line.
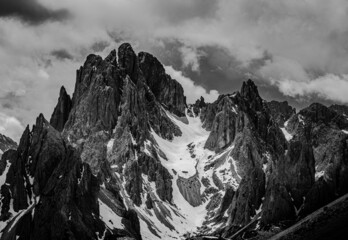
62,54
219,70
31,11
117,36
256,63
100,46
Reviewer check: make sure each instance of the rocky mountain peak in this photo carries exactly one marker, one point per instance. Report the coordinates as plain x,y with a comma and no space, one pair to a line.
201,102
127,59
318,113
166,90
281,111
41,121
62,110
250,92
92,60
112,57
341,109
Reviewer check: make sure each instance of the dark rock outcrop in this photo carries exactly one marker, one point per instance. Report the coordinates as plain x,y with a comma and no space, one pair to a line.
190,189
281,111
341,109
196,108
152,167
313,172
223,128
116,104
250,93
330,146
166,90
242,121
128,61
61,111
48,181
96,98
247,198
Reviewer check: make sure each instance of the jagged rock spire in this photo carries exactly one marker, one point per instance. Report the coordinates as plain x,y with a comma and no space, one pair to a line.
127,59
112,58
281,111
166,90
61,111
250,92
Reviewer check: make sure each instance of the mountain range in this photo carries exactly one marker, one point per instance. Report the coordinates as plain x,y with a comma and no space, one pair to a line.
127,158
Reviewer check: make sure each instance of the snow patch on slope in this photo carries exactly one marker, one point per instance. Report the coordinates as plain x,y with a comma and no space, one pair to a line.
319,174
301,119
176,151
287,135
185,156
109,217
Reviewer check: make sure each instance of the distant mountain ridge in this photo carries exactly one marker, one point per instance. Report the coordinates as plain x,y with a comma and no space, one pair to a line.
6,143
127,158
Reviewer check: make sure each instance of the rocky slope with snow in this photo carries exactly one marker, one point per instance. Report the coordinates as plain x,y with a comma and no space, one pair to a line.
127,158
6,143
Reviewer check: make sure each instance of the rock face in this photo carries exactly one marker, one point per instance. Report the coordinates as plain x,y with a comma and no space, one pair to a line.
277,175
317,157
91,179
281,111
128,61
49,193
223,128
341,109
115,107
62,110
329,140
242,124
96,98
190,190
166,90
6,143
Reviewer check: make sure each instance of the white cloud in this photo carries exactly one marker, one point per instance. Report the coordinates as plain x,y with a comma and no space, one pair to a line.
10,127
329,87
282,68
191,90
292,80
191,57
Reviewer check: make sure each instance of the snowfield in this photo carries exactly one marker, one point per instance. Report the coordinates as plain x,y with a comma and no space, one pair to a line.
185,157
179,157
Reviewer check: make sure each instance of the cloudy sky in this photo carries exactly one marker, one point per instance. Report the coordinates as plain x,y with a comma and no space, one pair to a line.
294,50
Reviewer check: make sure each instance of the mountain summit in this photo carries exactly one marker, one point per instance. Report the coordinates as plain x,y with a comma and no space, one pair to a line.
127,158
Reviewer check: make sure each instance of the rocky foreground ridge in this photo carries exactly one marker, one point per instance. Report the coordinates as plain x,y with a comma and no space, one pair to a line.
126,158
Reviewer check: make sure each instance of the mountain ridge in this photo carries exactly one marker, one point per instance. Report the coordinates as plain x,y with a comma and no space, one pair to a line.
137,162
